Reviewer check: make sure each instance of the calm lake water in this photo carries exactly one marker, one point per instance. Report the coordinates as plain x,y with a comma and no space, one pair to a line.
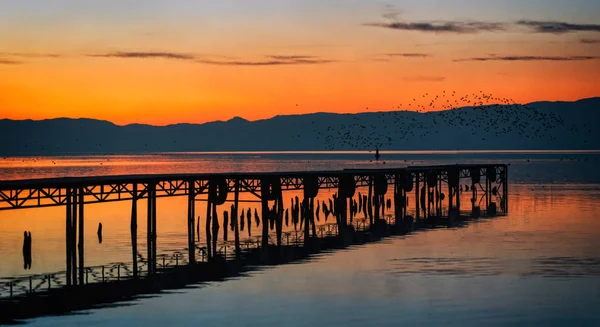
540,265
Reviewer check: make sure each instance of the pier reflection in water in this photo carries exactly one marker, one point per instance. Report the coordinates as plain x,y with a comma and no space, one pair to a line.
538,266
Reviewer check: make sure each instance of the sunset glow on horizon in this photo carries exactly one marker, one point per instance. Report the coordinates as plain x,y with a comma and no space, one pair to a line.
199,61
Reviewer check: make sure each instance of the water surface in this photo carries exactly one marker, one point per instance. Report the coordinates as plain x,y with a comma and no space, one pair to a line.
540,265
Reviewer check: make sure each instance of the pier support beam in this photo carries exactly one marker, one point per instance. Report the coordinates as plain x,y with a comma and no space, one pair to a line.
264,188
417,197
190,221
279,219
151,229
487,194
458,188
74,237
235,217
440,203
505,189
154,236
473,197
133,227
428,190
370,201
68,235
399,202
451,190
306,214
208,229
81,239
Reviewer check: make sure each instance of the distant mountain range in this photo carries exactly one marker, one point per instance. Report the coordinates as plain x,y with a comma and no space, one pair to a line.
535,126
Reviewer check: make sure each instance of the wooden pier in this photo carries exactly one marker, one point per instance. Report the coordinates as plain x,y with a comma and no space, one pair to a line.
436,193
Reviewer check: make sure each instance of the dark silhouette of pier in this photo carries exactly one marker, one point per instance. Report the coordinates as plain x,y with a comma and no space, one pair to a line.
437,191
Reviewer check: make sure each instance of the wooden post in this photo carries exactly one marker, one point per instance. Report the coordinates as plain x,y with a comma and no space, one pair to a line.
279,217
458,196
305,209
344,213
191,215
214,229
487,191
370,200
312,217
428,194
265,223
376,205
405,204
505,189
450,194
74,238
473,196
154,228
149,229
440,203
396,196
133,228
81,238
265,214
235,217
208,228
68,235
417,198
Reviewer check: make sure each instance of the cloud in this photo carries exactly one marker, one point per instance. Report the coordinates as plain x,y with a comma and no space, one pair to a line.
529,58
590,41
390,12
425,78
557,27
279,57
145,55
9,62
270,61
457,27
408,55
31,55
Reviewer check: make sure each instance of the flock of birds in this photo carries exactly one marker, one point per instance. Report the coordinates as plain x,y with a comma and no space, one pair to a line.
481,115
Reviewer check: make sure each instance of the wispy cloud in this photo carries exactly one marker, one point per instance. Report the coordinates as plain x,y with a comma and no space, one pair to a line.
391,15
457,27
31,55
425,78
554,27
270,61
390,12
529,58
293,57
10,62
145,55
590,41
409,55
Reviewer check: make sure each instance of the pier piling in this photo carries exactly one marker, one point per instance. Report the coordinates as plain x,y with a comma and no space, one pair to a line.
133,227
81,238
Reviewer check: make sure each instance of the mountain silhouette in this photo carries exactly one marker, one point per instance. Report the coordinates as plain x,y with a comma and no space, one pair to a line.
535,126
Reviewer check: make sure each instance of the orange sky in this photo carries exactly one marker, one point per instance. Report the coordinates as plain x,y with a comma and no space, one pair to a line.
194,62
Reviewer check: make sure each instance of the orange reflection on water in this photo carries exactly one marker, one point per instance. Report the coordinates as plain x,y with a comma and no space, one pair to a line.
544,221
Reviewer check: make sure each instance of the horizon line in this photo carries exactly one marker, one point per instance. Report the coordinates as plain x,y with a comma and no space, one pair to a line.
292,115
316,152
